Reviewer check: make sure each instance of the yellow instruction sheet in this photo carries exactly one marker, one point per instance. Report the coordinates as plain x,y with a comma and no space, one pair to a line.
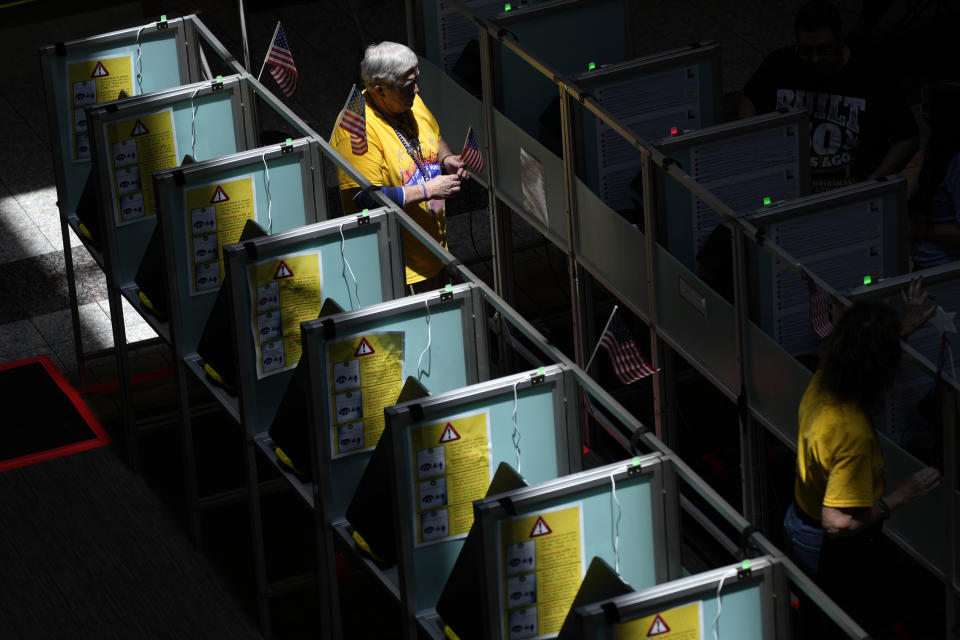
679,623
541,567
216,213
90,83
284,291
452,467
366,375
138,147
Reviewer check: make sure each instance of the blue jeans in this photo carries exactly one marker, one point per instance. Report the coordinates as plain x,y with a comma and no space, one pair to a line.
802,540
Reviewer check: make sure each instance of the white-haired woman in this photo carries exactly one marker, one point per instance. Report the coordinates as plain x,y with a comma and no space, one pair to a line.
404,155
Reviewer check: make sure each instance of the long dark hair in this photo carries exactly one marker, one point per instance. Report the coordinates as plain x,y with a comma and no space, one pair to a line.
860,358
941,103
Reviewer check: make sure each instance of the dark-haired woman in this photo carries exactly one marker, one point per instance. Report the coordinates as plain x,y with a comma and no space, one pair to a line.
839,495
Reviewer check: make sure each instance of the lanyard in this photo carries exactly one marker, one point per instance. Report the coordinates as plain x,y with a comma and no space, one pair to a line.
412,149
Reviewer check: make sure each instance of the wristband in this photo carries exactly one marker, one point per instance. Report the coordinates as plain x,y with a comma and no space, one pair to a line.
443,167
884,508
424,185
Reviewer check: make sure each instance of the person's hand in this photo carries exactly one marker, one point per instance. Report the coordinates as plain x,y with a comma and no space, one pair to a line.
443,187
454,166
915,315
919,484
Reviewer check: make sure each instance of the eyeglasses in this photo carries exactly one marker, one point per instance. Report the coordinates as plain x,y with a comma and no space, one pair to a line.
407,86
819,51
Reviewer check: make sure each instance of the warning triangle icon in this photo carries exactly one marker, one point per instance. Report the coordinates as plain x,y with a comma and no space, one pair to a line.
99,71
658,627
363,349
219,196
139,129
540,528
283,271
449,434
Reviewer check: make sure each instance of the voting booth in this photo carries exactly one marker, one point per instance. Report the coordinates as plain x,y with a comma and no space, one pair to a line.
277,282
446,448
746,601
655,96
745,163
358,362
83,73
134,137
848,237
537,541
202,208
569,36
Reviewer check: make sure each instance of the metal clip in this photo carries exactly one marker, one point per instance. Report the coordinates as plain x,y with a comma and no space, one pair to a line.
329,329
217,84
446,296
537,378
363,218
744,571
416,412
286,147
611,612
634,470
162,23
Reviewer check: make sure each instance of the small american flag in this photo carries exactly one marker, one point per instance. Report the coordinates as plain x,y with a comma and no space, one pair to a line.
470,155
281,63
628,363
820,320
354,120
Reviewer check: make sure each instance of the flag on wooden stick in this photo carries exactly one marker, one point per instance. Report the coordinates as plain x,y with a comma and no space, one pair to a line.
282,68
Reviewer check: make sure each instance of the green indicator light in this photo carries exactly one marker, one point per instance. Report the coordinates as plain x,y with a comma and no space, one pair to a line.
591,66
636,461
507,7
745,565
867,280
163,18
219,78
365,212
289,141
448,288
541,371
766,200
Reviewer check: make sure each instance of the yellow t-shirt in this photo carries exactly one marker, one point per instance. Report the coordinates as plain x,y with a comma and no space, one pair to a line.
387,164
839,463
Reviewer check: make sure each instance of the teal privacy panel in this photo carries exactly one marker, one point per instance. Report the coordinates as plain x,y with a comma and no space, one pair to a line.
290,206
362,248
162,66
741,616
639,519
542,457
567,37
217,130
449,363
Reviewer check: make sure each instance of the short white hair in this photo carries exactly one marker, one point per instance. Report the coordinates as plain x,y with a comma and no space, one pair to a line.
386,63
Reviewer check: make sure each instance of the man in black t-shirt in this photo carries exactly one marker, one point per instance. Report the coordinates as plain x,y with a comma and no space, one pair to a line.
860,125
